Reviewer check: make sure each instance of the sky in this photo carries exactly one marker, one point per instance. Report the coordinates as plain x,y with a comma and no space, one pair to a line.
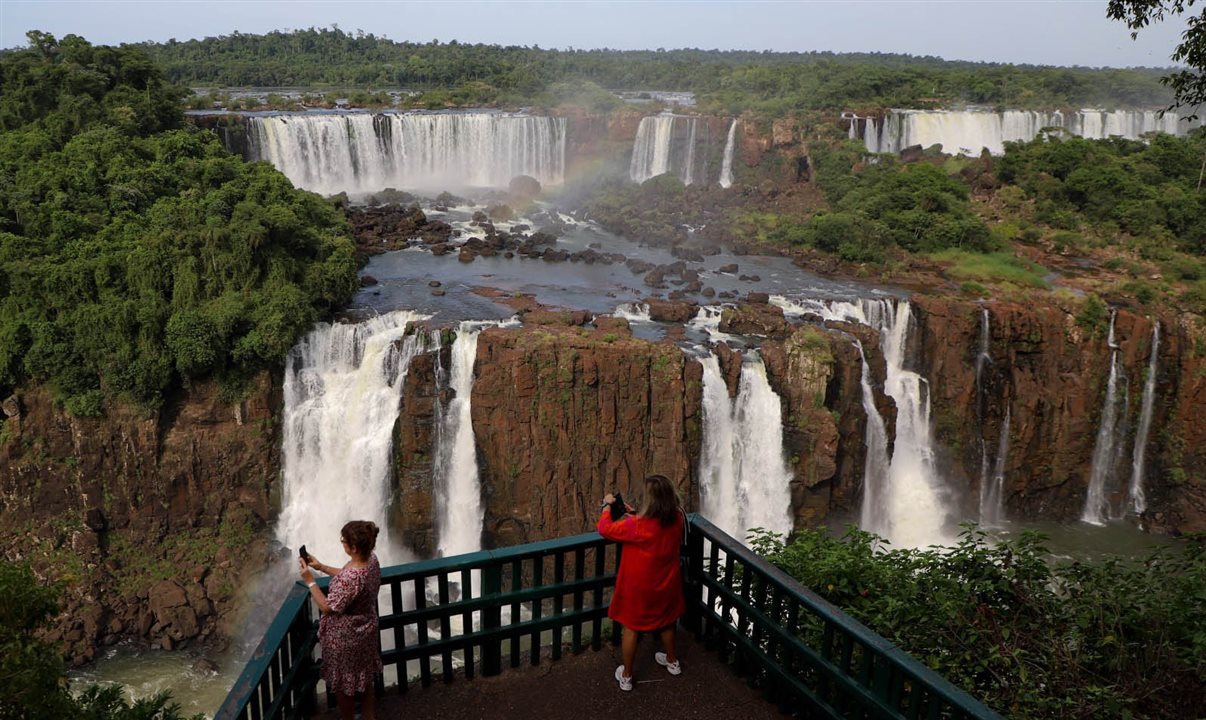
1046,32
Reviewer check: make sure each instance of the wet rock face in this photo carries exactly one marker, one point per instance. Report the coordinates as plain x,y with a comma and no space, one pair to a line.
564,415
755,319
149,520
1051,373
390,227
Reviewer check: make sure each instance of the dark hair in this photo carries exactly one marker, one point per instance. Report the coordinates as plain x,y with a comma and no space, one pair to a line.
661,502
361,535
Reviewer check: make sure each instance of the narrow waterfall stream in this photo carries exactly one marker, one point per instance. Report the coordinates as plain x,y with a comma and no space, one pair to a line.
990,496
1138,500
1097,503
744,477
458,496
341,390
726,165
877,465
992,500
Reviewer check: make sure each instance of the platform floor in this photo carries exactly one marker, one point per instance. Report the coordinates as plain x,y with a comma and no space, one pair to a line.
578,687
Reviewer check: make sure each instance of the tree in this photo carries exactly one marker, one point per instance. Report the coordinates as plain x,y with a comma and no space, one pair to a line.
1189,85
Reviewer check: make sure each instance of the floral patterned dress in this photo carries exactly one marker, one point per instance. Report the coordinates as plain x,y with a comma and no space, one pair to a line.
351,657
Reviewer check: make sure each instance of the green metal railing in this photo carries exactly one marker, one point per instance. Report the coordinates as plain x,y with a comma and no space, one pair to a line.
474,612
469,612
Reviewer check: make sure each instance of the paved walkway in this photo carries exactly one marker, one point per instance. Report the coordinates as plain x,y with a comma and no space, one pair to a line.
580,687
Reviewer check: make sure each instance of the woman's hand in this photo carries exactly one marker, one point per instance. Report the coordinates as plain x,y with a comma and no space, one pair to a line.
630,509
306,576
313,562
609,499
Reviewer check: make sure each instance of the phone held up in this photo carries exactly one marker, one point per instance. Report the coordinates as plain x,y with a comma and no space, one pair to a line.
301,552
617,507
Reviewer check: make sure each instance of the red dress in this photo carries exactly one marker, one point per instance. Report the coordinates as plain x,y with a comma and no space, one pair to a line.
649,585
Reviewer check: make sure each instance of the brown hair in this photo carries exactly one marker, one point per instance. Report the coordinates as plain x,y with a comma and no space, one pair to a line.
661,502
361,535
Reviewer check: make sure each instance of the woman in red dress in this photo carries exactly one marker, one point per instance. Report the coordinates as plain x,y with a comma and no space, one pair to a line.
649,588
347,632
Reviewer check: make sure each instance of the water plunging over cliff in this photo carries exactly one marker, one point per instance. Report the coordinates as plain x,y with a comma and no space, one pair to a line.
1138,500
726,165
877,466
912,511
362,153
990,490
666,144
992,501
968,131
341,391
458,493
744,478
1105,456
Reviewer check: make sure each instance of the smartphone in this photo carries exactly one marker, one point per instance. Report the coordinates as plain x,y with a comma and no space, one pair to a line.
301,552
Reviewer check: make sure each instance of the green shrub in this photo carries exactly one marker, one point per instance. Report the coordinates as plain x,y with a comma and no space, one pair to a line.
984,615
998,267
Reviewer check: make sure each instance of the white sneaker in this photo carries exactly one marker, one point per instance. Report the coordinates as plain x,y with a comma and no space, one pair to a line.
671,667
625,682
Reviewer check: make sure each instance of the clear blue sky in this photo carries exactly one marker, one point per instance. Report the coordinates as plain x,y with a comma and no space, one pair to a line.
1054,32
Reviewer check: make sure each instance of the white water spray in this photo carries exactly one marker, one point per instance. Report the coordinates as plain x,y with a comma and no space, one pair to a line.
744,478
726,165
458,494
877,465
655,152
1138,499
342,390
361,153
1097,505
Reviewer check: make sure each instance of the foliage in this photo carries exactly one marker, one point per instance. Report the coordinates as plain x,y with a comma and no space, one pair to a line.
32,675
135,256
1031,638
1189,85
725,81
997,267
1149,190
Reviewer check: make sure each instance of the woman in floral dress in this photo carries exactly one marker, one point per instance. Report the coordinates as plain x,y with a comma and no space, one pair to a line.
351,658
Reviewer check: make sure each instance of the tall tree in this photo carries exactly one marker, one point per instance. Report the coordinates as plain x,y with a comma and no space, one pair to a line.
1189,84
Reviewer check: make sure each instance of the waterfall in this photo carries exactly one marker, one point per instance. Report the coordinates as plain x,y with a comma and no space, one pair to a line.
1097,504
913,507
983,358
877,465
1138,500
363,153
664,143
967,132
871,135
633,312
992,502
744,478
458,497
726,165
342,390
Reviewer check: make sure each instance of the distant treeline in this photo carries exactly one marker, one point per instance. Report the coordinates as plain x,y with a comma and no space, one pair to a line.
729,81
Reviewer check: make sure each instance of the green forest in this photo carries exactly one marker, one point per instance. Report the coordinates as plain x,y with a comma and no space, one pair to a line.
724,81
136,254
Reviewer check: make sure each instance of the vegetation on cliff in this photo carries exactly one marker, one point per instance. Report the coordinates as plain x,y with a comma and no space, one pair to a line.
729,81
32,674
1030,636
135,253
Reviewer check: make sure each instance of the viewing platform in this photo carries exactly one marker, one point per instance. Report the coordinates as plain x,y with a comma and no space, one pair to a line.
531,638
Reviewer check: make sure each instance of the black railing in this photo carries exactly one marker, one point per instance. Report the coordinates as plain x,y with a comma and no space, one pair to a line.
474,612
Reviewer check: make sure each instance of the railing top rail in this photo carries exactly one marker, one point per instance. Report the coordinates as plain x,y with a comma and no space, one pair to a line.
486,558
942,687
245,686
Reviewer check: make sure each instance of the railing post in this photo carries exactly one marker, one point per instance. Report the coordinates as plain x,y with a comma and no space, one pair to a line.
492,620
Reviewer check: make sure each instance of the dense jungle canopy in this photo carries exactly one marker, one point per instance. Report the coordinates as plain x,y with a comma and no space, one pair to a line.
135,252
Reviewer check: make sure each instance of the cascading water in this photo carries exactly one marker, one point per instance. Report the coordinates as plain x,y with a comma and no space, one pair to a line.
1097,504
664,144
983,358
968,131
744,478
342,388
458,494
992,501
877,466
1138,499
361,153
726,165
633,312
913,511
